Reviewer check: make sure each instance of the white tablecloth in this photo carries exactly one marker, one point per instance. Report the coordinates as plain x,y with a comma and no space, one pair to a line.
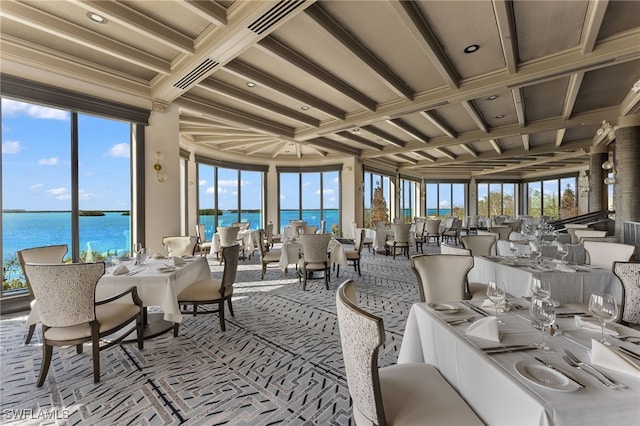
497,393
380,236
576,253
155,288
249,238
566,287
291,253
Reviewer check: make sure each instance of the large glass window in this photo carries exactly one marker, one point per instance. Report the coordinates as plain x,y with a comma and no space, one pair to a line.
569,200
496,198
228,195
38,175
534,200
312,197
446,199
371,182
408,191
553,197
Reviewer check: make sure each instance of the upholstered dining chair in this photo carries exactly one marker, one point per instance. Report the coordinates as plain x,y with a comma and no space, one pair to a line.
571,228
473,290
588,233
419,228
45,254
353,255
401,233
180,245
472,224
306,229
503,231
603,254
229,236
268,236
432,230
266,257
441,277
629,275
400,394
242,225
212,291
452,232
481,244
314,257
204,246
70,314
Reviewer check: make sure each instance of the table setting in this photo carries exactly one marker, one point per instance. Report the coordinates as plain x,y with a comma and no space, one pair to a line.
531,361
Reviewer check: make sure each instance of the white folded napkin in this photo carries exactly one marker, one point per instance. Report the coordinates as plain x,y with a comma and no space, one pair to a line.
564,268
121,270
489,305
178,261
485,328
611,358
157,256
595,325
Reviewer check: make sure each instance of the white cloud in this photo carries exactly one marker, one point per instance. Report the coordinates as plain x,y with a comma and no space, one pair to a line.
120,150
36,186
306,184
227,183
202,182
12,108
444,203
57,191
210,190
327,191
84,195
48,161
11,147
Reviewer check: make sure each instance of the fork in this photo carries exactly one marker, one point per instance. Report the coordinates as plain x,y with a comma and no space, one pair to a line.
574,361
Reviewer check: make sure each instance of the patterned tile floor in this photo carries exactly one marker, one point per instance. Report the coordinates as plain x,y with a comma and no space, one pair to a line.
279,362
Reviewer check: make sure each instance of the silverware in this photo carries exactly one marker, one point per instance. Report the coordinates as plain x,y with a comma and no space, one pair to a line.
559,370
475,308
629,353
505,349
574,361
455,321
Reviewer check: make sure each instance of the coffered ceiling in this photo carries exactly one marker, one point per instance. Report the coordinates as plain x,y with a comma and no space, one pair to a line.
386,81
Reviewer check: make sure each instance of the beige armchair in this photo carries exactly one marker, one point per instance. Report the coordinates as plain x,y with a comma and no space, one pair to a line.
432,230
180,246
266,257
503,231
419,235
441,277
212,291
473,290
481,244
71,316
629,275
400,394
204,246
603,254
315,257
588,233
353,255
46,254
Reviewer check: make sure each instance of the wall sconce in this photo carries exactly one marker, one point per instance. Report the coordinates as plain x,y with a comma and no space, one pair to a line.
162,176
609,166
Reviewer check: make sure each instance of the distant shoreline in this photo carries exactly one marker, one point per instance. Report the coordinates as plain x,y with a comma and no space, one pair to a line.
58,211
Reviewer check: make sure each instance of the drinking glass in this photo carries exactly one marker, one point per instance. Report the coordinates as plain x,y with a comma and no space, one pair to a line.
563,252
544,313
604,307
541,288
497,295
513,247
536,251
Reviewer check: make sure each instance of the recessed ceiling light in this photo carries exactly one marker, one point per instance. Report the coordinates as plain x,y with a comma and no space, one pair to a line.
492,97
355,130
500,116
96,18
304,107
472,48
251,84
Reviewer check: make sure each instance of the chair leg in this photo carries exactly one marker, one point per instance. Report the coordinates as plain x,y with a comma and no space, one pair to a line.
176,328
79,348
230,306
304,279
326,278
359,270
32,328
140,332
264,269
95,349
221,314
47,351
337,270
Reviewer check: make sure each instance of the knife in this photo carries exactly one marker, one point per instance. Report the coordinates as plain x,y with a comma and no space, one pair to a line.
628,352
475,308
559,370
506,349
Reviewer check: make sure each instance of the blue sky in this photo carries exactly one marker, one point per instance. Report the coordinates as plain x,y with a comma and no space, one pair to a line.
36,160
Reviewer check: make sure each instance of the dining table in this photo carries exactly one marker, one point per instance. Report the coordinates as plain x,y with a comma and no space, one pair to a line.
292,250
249,238
509,386
158,284
569,283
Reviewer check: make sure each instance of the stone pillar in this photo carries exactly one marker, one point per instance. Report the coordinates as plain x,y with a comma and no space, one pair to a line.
598,194
627,168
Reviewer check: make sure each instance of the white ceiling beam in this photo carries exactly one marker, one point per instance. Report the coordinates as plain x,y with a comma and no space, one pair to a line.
575,81
503,11
384,135
438,123
208,10
418,27
445,153
469,149
263,146
519,106
525,141
279,149
475,115
595,15
496,146
560,136
409,130
630,104
527,164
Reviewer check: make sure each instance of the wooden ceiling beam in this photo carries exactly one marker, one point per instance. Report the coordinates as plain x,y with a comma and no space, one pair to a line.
208,10
575,81
436,121
592,24
475,115
518,103
503,11
409,130
384,135
560,136
528,164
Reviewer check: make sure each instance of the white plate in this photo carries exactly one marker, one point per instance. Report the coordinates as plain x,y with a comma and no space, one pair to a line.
544,376
444,308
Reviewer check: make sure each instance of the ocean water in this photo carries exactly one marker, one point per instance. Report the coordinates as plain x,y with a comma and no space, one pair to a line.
111,232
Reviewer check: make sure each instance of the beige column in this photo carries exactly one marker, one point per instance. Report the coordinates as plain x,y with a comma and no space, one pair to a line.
598,195
627,168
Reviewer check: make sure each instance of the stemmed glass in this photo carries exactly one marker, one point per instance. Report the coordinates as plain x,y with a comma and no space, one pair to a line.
497,295
536,251
563,252
541,288
605,308
513,247
544,313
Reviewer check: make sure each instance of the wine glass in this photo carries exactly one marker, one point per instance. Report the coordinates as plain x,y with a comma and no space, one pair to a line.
497,295
604,307
541,288
563,252
536,251
543,312
513,247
